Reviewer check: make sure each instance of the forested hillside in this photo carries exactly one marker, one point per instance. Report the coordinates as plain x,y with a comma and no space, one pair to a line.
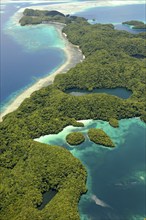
113,59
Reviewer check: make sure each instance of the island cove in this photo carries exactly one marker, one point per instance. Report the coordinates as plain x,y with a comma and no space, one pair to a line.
126,161
72,56
35,168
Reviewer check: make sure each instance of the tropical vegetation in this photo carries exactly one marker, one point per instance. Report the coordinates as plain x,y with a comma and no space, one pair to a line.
98,136
113,59
136,24
33,17
75,138
114,122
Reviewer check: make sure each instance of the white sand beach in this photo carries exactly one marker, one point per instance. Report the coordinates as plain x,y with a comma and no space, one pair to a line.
73,56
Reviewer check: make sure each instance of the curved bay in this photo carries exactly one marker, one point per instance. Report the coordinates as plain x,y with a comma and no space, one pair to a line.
116,177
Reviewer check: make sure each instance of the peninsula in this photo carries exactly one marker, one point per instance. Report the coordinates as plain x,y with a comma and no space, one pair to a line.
33,17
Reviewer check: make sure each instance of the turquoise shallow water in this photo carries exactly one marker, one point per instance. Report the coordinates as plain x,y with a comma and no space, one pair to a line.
34,38
116,177
27,54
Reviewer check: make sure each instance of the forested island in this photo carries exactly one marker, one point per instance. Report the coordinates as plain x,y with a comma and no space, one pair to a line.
136,24
114,122
75,138
28,168
98,136
38,17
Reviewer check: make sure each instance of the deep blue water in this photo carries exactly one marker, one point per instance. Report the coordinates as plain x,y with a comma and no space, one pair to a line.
21,68
116,15
26,55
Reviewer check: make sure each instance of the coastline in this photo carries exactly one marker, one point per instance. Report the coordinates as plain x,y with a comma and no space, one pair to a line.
73,56
72,52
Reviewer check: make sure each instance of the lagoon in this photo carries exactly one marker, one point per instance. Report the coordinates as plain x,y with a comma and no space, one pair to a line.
116,177
27,54
120,92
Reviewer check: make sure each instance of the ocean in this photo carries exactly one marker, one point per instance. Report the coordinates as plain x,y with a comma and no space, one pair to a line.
27,54
30,53
116,15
